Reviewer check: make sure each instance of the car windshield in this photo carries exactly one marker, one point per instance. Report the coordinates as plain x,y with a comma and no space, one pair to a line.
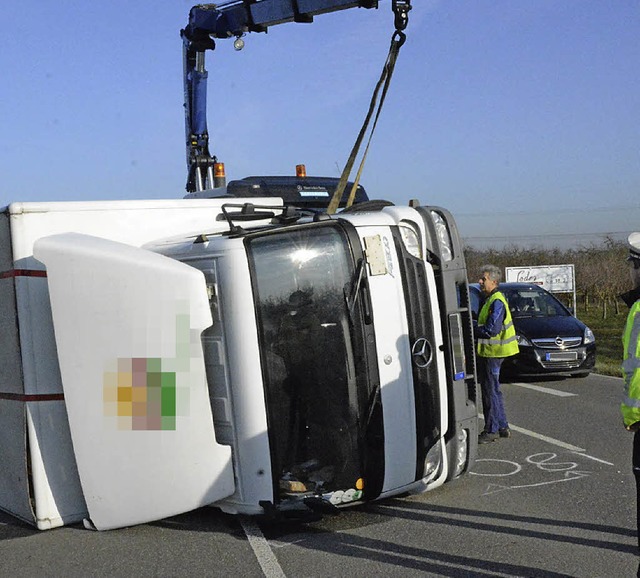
533,302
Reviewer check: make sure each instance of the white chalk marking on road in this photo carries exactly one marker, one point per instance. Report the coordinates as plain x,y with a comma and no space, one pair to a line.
285,543
266,558
516,469
568,477
544,389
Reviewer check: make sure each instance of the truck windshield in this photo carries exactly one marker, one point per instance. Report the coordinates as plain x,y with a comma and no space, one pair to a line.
309,354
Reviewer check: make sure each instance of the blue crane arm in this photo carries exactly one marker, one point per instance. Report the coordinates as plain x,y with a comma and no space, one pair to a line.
236,17
233,19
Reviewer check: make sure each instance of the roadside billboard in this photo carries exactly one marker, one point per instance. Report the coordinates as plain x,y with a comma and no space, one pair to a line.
553,278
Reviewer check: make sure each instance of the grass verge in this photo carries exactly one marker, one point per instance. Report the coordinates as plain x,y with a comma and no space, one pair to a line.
608,334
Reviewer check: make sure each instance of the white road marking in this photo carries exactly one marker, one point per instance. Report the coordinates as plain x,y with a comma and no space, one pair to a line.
599,376
595,459
547,439
266,558
544,389
553,441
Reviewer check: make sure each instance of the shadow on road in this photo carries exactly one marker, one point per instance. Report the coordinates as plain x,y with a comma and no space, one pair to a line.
11,528
489,521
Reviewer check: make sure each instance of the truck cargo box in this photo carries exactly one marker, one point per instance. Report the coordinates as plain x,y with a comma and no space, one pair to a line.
39,480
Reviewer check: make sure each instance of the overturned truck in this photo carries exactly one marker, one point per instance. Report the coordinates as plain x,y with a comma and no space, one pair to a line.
252,354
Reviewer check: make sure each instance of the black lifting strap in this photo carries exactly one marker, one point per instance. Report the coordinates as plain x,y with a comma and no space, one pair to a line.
397,40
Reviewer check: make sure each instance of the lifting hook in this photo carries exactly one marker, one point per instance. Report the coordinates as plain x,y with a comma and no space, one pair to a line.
401,10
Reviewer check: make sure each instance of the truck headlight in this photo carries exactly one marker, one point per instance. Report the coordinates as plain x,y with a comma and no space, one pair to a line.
410,240
461,453
443,236
432,463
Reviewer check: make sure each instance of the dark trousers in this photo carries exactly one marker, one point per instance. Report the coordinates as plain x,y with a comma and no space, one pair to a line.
636,475
495,417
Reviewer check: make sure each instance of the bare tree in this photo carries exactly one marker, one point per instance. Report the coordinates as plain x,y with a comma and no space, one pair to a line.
600,273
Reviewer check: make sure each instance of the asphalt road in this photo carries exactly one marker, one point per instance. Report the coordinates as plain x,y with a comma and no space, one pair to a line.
556,499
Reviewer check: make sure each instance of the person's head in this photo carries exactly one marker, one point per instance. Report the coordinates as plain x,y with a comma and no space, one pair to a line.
300,298
634,258
490,277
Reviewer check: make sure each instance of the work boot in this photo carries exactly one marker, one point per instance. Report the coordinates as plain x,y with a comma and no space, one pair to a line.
504,432
486,437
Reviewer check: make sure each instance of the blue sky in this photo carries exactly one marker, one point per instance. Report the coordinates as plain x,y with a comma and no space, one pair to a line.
521,117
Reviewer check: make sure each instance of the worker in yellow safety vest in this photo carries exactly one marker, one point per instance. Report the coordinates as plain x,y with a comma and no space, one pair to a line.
497,339
631,363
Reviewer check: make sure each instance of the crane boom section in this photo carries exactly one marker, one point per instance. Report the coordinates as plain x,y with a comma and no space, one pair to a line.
236,18
208,22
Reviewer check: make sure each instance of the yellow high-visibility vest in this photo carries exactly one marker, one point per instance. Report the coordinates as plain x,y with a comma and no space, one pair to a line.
631,367
505,344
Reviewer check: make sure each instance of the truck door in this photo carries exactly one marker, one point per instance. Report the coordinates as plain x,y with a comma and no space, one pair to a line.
128,324
446,255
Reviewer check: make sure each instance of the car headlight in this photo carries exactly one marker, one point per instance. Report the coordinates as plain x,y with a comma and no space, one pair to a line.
589,337
523,341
